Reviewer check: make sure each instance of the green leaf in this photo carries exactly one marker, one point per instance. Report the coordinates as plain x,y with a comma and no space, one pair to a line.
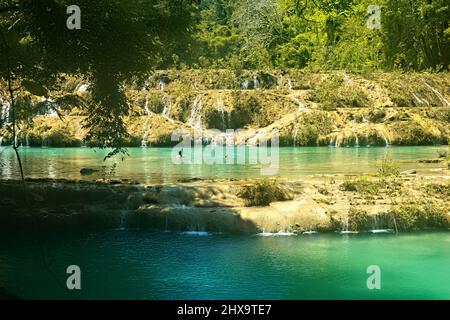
35,88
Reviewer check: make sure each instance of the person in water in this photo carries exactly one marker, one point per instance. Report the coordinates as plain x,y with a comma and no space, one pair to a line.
180,153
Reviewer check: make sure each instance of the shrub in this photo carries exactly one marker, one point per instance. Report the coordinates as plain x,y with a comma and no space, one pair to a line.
335,92
313,126
362,185
262,193
388,168
440,189
358,219
376,115
246,110
413,217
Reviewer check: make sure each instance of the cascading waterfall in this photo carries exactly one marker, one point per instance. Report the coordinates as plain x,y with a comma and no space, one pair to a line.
195,121
356,141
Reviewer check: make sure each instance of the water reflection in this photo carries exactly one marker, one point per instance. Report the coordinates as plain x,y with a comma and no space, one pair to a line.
154,165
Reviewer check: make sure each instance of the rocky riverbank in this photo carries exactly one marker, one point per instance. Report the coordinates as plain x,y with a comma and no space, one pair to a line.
316,203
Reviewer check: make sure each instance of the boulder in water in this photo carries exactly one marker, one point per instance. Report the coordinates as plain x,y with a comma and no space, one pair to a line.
431,160
87,171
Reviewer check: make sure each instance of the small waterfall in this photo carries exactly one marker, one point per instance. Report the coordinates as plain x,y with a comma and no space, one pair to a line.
279,233
16,141
309,231
44,142
332,142
280,81
161,85
419,101
375,225
244,84
27,140
221,111
195,121
166,111
145,135
345,224
376,228
356,141
50,107
83,88
255,81
144,140
289,84
344,229
146,106
301,106
196,231
167,107
295,133
438,94
52,113
5,112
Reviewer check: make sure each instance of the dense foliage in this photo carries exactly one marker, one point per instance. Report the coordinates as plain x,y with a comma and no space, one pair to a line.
330,34
122,41
118,42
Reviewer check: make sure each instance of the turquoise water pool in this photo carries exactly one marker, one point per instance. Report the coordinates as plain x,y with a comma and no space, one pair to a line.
130,264
155,164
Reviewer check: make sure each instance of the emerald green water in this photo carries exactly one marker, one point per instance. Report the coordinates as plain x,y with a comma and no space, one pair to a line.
131,264
155,165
